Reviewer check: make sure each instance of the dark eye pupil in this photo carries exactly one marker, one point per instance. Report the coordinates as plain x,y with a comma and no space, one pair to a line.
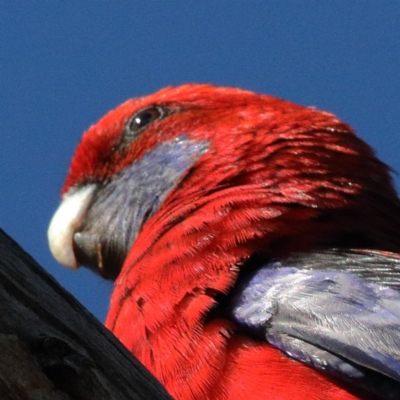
144,117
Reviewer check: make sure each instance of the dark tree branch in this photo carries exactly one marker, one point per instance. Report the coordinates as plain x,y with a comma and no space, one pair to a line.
51,347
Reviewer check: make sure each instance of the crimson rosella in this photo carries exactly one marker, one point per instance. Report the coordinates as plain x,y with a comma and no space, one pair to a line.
254,244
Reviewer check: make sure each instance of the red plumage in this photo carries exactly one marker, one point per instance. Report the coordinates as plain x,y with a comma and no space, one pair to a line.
276,178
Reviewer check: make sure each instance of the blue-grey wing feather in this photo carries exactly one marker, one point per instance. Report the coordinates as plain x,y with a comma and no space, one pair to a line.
328,319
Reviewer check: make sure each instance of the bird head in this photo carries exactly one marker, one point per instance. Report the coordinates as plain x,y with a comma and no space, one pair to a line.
271,174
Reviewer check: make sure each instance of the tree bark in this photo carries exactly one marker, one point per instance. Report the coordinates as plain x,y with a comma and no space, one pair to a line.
51,347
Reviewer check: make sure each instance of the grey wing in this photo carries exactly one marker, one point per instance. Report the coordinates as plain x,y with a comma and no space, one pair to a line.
375,266
331,320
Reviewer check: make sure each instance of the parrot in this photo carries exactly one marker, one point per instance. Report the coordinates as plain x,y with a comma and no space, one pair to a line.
253,245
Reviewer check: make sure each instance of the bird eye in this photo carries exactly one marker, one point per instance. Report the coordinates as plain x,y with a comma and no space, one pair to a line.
143,118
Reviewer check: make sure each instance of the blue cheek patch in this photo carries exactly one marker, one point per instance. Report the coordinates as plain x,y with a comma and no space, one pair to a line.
145,184
130,198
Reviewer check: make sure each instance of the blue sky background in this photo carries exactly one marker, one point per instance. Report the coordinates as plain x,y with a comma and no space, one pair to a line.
63,64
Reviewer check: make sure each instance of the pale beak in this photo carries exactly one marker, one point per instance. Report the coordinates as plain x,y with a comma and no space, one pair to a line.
64,223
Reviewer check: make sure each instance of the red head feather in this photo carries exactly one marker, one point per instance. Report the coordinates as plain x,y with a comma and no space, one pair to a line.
272,178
